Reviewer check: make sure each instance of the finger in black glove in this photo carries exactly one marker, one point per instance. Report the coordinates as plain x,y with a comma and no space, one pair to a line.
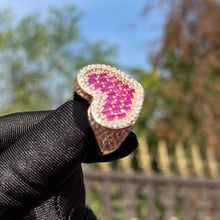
40,162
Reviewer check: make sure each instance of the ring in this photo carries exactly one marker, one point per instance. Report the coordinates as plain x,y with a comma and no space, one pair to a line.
116,100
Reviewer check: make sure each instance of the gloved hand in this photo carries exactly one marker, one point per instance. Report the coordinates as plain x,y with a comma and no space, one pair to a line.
40,163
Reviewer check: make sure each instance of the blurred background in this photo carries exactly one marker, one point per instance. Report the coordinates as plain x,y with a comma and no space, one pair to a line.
173,48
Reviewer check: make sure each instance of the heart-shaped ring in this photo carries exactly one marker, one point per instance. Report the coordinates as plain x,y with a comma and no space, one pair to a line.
116,100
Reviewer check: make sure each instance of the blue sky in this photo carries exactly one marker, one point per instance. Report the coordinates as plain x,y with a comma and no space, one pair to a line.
118,22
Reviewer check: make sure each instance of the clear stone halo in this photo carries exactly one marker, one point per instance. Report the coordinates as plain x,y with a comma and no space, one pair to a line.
116,101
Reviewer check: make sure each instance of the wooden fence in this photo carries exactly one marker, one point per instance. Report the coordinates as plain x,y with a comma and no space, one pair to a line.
183,190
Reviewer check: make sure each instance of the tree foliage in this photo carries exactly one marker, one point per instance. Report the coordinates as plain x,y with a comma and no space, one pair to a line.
189,88
39,56
149,81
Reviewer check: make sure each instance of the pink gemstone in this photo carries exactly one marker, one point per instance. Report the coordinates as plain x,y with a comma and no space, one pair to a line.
126,87
118,83
127,108
92,82
116,110
118,104
92,78
102,79
107,113
121,93
104,89
109,84
131,91
111,117
111,95
92,75
103,74
112,79
110,98
109,101
123,115
120,98
107,106
115,89
129,96
98,86
128,102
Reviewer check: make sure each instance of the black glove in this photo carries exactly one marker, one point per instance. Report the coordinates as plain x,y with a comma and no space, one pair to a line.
40,163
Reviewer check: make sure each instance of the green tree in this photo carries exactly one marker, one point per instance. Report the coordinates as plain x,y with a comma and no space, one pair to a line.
39,56
189,89
149,81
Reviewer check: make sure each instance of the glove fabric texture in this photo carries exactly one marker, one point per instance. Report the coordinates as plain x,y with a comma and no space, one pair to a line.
40,163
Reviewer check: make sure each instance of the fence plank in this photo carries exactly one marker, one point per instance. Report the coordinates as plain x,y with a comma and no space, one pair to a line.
203,203
169,200
106,192
129,200
185,195
149,193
